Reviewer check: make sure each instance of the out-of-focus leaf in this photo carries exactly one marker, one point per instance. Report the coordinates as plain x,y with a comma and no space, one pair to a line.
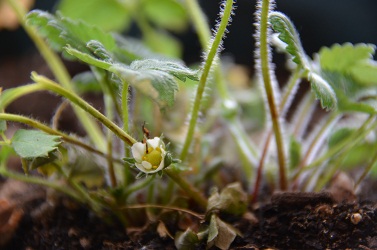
85,169
168,14
109,15
86,82
220,234
339,135
163,43
187,240
30,144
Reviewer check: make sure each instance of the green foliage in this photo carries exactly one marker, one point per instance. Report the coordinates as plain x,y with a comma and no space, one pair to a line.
109,15
323,91
186,240
294,152
288,34
30,144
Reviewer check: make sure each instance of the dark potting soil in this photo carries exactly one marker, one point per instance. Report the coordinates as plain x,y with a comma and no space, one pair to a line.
290,221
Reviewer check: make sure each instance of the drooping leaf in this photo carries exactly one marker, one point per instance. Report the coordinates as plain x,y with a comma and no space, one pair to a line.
88,58
109,15
187,240
220,234
288,34
168,14
30,144
323,91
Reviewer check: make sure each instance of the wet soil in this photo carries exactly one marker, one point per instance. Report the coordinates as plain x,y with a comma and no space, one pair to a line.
288,221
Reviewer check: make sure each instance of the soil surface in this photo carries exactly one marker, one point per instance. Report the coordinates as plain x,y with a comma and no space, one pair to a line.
289,221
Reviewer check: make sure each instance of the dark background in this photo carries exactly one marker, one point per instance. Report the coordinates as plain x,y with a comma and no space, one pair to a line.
319,22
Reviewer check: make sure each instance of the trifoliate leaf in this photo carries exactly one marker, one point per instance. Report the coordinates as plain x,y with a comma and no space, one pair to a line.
288,34
323,91
353,61
168,14
187,240
109,15
30,144
61,31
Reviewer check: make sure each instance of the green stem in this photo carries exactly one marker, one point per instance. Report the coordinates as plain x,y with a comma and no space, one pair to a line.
61,74
371,164
203,78
56,88
138,185
190,190
47,129
265,71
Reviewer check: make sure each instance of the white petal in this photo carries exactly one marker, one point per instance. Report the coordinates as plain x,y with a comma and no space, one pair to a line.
138,150
146,165
154,143
141,167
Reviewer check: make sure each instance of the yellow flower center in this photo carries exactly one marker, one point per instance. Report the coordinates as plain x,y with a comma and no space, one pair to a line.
154,157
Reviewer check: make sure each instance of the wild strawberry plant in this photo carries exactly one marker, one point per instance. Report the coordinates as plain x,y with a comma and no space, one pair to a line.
121,154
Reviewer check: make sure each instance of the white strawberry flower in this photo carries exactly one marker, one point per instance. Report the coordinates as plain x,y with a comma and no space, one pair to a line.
149,156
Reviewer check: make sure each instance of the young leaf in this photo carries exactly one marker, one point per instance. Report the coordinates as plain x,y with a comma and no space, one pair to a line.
108,15
30,144
88,58
323,91
294,153
288,34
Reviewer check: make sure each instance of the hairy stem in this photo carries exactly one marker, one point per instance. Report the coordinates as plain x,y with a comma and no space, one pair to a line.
204,76
56,88
265,72
58,69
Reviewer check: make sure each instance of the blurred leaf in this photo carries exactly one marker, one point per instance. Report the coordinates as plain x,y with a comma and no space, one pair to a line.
232,200
30,144
163,43
220,234
187,240
86,82
61,31
168,14
288,34
109,15
323,91
339,135
294,152
84,168
354,61
3,125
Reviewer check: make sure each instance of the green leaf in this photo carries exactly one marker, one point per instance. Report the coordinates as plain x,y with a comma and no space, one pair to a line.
186,240
88,58
30,144
339,135
288,34
323,91
61,31
86,82
3,125
354,61
163,43
155,79
294,153
220,234
84,168
109,15
168,14
232,200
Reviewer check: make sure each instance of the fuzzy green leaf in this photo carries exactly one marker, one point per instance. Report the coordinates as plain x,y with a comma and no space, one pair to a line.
288,34
168,14
323,91
186,240
353,61
61,31
88,58
155,79
108,15
30,144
